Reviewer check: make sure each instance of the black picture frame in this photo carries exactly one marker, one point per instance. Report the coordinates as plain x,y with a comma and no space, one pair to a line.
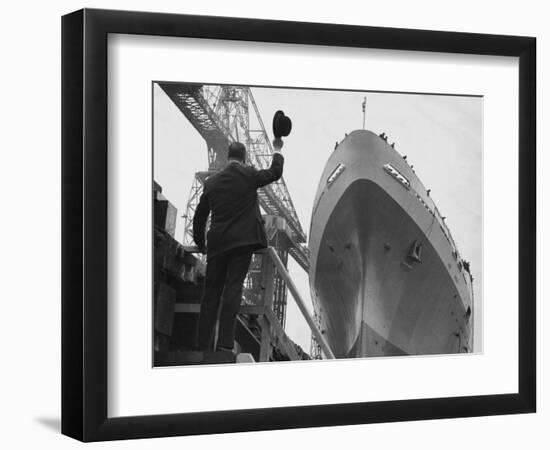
84,224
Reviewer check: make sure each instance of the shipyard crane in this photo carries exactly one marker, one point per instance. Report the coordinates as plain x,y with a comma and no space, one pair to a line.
221,115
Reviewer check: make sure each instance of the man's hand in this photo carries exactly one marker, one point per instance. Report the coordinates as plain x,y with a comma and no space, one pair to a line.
277,144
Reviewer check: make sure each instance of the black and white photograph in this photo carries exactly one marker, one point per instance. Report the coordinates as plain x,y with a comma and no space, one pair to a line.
300,224
275,225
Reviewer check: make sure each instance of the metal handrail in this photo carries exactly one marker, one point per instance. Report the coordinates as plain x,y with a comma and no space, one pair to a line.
300,302
283,272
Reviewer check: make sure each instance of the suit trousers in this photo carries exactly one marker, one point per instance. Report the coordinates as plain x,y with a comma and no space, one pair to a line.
225,274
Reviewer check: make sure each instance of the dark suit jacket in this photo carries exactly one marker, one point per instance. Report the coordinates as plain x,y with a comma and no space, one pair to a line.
231,198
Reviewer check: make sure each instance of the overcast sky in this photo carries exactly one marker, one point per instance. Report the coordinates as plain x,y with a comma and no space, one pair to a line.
441,136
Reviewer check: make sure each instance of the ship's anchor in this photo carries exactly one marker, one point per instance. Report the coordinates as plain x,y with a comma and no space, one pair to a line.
413,256
415,252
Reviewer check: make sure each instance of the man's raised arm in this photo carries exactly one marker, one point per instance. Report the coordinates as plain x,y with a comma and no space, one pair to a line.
266,176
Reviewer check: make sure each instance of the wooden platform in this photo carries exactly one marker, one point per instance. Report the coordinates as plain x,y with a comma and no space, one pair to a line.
186,358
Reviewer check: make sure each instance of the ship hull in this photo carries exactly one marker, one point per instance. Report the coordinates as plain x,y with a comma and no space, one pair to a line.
384,276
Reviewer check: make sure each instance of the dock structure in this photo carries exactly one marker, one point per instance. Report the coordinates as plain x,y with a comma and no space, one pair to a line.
179,277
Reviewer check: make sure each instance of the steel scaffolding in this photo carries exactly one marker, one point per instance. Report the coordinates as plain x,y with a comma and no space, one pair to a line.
221,115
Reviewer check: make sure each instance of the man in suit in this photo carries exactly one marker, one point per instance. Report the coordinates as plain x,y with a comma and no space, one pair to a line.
236,231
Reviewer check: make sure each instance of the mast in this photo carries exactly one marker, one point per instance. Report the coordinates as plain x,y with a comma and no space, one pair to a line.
364,106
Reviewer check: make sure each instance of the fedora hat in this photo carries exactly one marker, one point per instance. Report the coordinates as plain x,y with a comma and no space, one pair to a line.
282,125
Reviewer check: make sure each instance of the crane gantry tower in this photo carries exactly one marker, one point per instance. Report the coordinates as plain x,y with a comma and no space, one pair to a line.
221,115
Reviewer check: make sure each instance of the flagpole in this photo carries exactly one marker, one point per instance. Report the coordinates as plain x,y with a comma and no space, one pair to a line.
364,108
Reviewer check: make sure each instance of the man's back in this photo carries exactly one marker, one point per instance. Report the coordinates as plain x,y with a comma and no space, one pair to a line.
231,198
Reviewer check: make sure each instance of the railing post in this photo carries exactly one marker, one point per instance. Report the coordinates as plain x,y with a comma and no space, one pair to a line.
267,284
